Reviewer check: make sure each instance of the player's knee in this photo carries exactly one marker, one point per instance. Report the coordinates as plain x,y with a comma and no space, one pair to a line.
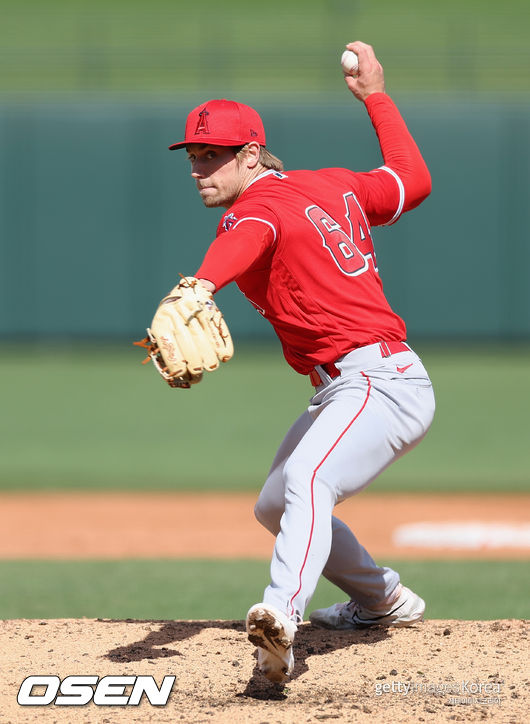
269,516
301,477
297,473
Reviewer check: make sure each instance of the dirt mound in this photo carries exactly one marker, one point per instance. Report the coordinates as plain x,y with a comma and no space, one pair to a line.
434,672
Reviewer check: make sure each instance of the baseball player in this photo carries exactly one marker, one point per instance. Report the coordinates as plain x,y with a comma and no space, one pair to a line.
299,246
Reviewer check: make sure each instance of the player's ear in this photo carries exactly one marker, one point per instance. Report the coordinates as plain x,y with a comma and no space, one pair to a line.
252,154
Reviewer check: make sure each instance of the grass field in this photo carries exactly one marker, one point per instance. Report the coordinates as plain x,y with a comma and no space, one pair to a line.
175,589
94,418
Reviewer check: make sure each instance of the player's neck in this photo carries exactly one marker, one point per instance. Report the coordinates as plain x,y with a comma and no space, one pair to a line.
251,175
247,176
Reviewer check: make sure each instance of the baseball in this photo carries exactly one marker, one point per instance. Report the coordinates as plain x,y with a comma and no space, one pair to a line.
350,63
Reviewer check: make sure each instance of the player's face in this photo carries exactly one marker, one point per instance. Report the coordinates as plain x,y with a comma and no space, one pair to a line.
217,174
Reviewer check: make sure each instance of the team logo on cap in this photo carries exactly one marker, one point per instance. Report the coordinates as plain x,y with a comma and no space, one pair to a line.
202,123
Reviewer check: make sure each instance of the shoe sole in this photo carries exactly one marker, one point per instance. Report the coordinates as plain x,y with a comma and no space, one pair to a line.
266,632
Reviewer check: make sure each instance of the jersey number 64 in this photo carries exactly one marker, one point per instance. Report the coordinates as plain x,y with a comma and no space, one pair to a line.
344,248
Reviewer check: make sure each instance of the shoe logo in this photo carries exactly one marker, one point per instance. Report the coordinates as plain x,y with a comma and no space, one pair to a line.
379,618
403,369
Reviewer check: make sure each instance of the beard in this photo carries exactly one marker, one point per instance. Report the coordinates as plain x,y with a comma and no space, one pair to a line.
214,197
211,202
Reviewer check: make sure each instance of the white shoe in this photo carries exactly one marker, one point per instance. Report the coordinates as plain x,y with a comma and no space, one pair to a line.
407,609
273,633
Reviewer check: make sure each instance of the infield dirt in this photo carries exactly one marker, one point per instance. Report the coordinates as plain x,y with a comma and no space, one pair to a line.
222,525
437,671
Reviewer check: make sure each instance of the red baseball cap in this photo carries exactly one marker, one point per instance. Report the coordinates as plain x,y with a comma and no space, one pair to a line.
222,123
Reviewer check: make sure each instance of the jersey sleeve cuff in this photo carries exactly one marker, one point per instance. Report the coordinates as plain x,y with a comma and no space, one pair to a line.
401,189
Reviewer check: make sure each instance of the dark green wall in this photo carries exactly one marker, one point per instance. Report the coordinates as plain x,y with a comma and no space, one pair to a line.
97,217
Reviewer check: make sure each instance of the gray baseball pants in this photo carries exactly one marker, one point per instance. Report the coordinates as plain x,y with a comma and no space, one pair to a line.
356,425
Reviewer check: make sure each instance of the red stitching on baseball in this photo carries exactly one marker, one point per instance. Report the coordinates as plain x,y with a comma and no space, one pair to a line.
313,485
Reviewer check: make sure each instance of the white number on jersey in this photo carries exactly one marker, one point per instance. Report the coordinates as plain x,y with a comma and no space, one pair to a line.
345,248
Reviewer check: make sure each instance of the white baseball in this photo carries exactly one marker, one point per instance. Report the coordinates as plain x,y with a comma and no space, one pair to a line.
350,63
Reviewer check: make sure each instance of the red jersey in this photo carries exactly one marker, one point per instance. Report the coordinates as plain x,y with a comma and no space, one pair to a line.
298,245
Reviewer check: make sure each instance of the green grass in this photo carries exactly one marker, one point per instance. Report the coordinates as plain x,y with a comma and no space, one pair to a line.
86,418
205,589
168,46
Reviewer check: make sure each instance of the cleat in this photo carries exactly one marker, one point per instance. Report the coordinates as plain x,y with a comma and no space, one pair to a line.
273,633
406,610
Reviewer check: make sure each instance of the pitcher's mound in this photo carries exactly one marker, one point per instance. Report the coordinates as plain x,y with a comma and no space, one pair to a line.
437,671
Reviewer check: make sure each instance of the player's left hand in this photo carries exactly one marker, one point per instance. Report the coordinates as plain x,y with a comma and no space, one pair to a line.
370,78
187,335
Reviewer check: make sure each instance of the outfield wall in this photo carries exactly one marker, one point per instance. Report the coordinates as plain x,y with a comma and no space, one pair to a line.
97,217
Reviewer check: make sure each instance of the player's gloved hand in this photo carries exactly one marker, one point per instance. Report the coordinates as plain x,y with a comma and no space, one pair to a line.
187,335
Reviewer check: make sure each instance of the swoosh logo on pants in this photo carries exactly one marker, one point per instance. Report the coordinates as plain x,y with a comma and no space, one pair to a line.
404,369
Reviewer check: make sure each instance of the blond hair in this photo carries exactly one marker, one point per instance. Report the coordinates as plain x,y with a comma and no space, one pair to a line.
266,158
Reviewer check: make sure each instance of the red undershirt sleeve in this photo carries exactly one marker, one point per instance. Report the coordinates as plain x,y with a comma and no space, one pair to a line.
236,251
402,160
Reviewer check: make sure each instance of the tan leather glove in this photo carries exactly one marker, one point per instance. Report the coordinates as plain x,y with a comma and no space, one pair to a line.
187,335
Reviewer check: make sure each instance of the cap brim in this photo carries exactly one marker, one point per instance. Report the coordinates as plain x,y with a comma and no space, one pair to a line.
230,142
